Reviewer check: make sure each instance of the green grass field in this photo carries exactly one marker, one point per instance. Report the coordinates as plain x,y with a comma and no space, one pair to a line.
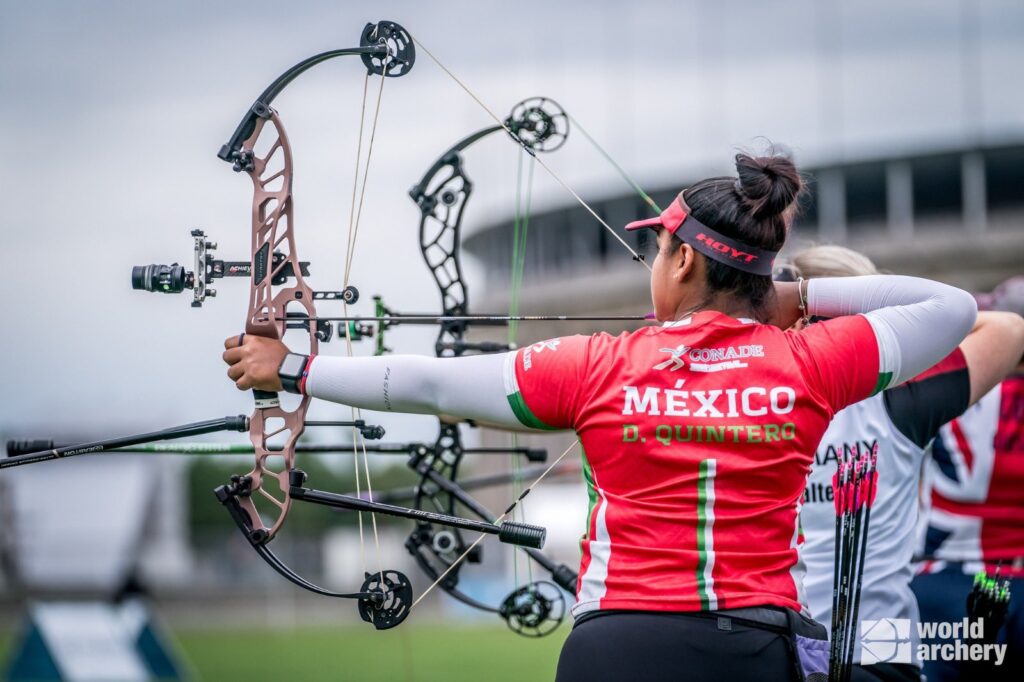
421,653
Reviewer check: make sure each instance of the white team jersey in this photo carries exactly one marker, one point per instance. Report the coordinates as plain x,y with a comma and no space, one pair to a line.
887,571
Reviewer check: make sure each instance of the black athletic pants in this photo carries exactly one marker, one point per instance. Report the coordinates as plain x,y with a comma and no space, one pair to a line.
614,646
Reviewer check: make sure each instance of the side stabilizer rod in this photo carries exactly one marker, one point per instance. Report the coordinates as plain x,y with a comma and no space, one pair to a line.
47,451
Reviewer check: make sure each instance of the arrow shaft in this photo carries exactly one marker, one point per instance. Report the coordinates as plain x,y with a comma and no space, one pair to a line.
484,319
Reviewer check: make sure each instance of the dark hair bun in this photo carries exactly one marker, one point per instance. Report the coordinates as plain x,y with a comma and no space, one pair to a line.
768,185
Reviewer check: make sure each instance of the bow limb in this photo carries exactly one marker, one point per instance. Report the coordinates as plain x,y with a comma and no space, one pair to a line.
442,195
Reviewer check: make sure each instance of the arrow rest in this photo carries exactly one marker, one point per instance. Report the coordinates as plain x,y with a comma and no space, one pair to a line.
349,295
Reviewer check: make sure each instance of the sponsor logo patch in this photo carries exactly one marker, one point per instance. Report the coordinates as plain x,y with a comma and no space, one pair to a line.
539,347
709,359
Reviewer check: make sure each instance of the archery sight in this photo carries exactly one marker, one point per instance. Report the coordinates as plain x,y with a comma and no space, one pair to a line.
175,279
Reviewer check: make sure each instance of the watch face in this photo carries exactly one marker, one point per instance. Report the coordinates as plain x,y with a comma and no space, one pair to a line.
292,365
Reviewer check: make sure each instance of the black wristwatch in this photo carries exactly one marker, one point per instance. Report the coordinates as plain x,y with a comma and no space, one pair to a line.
291,371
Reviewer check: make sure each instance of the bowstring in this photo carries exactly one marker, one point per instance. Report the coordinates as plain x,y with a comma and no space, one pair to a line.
355,215
636,256
366,170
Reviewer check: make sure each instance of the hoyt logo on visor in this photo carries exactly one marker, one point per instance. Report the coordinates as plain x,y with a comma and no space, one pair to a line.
715,245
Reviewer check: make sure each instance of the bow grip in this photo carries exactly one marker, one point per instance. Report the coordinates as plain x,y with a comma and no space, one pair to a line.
265,399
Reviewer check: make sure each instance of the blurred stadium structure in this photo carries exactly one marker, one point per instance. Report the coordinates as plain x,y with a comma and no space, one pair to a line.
944,203
950,214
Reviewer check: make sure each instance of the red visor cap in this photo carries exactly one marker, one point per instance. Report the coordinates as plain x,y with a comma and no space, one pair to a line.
670,219
712,244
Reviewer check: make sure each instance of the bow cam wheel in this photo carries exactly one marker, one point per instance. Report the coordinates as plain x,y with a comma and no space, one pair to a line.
389,600
534,610
401,50
539,123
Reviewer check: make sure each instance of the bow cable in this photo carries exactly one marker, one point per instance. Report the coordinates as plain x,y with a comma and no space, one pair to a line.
355,214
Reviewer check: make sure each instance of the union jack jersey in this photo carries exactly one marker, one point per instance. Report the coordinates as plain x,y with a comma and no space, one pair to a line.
698,439
977,482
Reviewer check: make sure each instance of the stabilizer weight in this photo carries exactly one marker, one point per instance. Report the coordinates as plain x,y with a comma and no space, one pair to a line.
522,534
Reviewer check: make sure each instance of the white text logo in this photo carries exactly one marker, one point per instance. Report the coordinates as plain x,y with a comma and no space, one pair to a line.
888,640
709,359
752,401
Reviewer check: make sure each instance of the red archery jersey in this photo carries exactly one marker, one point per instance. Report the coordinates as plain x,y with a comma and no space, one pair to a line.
698,437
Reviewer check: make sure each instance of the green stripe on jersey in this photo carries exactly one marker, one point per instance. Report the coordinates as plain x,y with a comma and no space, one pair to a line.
588,478
884,380
705,534
524,415
515,399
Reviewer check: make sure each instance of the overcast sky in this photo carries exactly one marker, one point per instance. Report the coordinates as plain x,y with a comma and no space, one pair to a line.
112,113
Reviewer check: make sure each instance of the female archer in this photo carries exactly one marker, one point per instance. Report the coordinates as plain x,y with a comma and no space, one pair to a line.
898,425
697,434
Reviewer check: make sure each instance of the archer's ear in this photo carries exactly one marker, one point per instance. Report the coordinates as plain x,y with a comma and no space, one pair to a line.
684,262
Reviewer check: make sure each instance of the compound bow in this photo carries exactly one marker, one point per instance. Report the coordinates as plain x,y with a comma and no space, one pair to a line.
385,597
280,300
277,305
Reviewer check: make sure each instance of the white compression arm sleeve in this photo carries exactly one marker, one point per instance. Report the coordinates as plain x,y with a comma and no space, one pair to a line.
471,387
917,321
